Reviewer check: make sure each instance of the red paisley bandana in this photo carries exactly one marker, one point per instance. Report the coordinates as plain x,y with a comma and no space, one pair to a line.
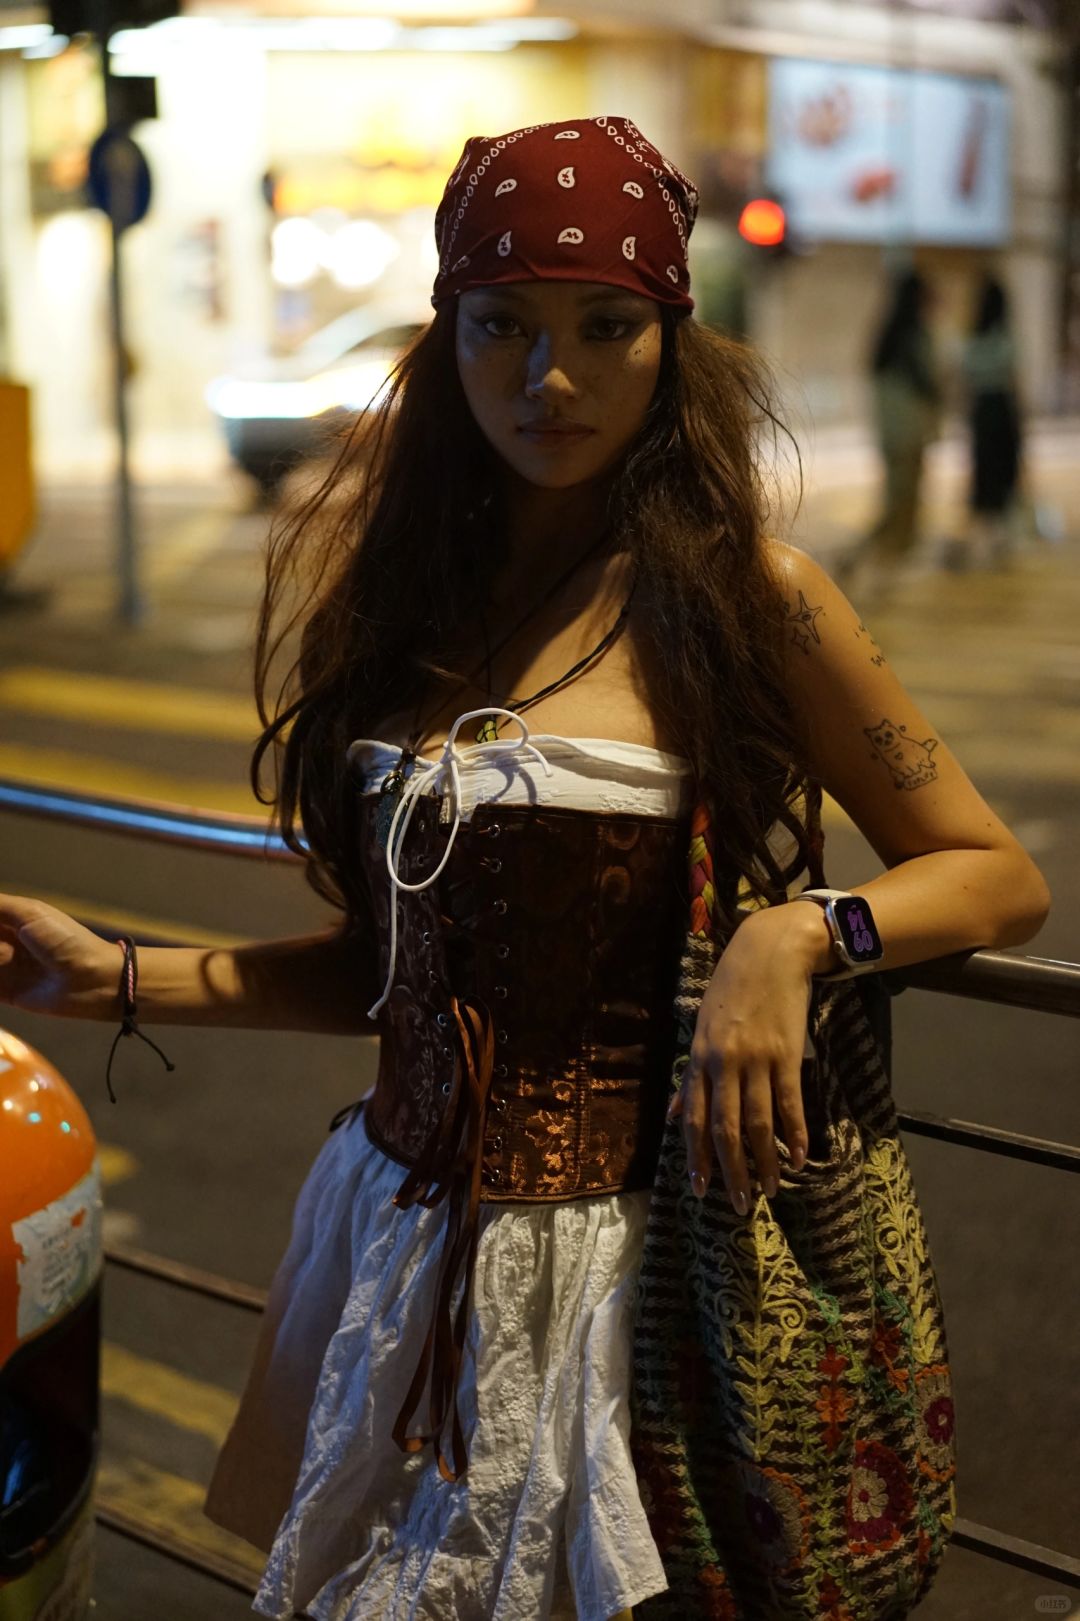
588,200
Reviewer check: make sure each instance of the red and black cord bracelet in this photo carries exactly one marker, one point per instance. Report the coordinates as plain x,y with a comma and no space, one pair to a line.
129,981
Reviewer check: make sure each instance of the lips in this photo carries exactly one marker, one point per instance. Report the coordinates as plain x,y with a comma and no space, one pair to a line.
554,430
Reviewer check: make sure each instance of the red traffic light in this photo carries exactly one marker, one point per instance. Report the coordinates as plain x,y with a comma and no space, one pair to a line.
763,223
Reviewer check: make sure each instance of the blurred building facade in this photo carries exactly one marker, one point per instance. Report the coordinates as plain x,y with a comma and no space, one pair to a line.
300,148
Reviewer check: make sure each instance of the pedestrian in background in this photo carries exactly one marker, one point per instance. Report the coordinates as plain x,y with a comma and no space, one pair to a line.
989,371
596,968
907,411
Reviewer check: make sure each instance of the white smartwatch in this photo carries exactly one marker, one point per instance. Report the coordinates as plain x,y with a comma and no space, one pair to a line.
855,939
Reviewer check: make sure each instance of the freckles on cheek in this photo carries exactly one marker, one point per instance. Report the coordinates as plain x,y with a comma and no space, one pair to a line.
640,372
634,374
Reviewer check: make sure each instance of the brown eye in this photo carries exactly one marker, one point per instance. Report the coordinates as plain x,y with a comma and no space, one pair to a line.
611,327
490,324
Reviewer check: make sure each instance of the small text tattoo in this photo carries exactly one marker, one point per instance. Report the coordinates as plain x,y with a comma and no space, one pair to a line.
802,622
910,762
877,656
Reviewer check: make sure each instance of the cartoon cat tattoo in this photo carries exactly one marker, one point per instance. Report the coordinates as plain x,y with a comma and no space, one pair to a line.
910,762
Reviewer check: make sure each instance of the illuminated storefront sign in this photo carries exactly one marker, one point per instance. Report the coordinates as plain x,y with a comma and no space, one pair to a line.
861,153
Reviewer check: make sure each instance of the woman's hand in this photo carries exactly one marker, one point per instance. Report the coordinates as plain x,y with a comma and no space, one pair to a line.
748,1045
51,964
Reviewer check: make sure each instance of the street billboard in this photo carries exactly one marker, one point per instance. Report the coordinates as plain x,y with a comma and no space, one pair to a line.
870,154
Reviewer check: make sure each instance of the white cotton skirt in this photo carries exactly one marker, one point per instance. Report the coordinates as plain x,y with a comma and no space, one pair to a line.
547,1523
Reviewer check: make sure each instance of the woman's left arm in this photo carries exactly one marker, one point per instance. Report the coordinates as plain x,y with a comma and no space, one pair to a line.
956,879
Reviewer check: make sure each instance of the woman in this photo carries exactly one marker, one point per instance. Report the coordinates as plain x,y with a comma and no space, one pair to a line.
907,409
560,515
989,365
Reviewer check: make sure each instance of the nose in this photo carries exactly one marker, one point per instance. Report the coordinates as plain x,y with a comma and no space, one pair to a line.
545,378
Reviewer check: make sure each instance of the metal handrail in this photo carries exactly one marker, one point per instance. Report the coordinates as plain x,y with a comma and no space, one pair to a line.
180,1276
1037,983
1040,983
991,1140
149,819
990,976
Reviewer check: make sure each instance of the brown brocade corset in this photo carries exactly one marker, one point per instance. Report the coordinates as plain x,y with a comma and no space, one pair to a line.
529,1032
564,925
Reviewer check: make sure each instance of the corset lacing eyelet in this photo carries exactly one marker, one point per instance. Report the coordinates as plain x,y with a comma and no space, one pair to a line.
493,863
501,1070
494,830
447,1088
502,1037
501,991
499,907
502,952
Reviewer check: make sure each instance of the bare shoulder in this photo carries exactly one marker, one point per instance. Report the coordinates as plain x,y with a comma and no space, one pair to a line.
820,622
808,592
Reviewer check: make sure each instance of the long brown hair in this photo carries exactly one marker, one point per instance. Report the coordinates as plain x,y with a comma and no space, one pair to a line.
369,580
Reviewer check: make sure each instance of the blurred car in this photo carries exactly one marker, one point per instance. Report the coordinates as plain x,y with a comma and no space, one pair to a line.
277,411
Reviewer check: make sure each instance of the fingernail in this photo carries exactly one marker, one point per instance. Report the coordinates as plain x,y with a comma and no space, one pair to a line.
697,1182
798,1158
741,1202
770,1185
671,1107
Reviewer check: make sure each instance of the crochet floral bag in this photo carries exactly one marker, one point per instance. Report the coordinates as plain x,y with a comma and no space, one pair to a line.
793,1426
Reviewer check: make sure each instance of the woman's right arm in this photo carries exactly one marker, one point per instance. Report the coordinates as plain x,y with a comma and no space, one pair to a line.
321,983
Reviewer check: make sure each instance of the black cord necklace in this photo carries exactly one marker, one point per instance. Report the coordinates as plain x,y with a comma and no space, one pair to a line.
488,731
393,783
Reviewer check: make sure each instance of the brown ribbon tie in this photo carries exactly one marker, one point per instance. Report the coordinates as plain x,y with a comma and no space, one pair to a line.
449,1167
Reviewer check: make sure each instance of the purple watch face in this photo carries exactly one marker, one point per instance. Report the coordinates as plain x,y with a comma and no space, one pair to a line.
858,931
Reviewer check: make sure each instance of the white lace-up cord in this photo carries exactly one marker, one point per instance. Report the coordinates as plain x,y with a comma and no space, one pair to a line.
426,773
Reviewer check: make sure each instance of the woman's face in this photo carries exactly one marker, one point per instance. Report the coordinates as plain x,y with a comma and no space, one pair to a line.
558,375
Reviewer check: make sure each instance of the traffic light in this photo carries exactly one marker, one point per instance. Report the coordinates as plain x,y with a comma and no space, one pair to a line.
763,224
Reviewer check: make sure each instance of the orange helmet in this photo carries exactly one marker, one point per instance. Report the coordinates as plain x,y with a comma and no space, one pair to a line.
50,1267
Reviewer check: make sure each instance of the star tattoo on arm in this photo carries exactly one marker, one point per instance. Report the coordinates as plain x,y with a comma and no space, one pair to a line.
802,621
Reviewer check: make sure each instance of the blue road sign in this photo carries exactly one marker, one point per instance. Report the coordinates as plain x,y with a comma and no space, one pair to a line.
118,181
